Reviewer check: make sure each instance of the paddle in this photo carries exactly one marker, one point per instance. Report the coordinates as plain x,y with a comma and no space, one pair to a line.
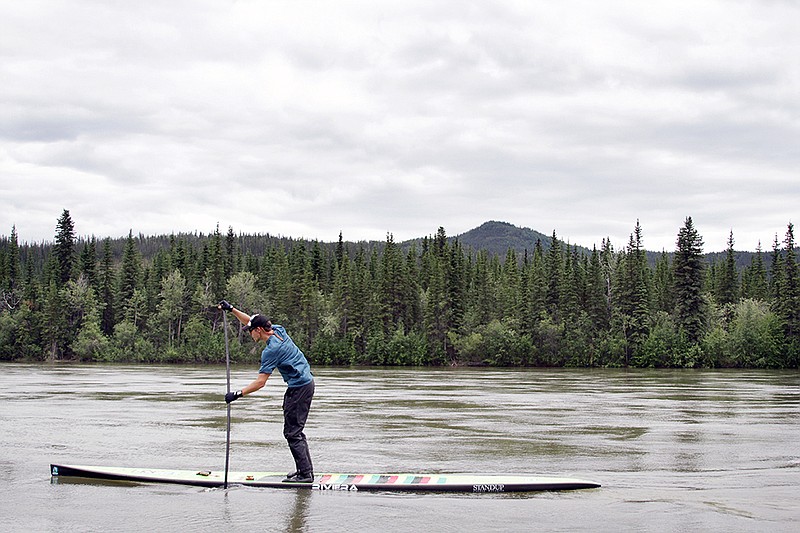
228,373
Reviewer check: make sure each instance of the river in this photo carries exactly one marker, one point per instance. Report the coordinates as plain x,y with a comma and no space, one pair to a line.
673,450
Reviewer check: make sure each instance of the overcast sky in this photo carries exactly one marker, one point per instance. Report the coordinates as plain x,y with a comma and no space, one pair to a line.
305,119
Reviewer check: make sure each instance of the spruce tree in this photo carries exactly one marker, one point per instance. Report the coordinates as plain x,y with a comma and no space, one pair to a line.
436,310
596,297
215,268
754,283
12,260
509,287
342,296
130,278
440,242
279,286
88,263
689,271
10,284
482,298
455,276
361,293
411,290
230,254
788,295
776,271
570,288
390,286
106,292
633,300
64,249
664,285
340,251
728,286
555,275
309,300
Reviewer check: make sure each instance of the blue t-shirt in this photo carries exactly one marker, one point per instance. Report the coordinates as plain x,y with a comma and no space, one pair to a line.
287,358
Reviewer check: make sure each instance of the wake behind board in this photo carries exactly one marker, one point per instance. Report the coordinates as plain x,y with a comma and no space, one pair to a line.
343,482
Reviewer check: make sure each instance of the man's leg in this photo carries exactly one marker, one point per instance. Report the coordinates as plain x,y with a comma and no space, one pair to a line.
296,405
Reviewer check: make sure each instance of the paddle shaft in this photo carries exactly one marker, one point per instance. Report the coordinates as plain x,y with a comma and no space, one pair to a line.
228,374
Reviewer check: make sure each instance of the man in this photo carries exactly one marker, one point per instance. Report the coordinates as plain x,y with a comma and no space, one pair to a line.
281,352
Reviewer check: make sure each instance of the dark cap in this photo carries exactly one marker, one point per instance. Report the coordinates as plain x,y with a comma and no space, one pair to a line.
258,321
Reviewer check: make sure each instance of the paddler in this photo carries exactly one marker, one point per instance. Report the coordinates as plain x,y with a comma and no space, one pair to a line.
282,353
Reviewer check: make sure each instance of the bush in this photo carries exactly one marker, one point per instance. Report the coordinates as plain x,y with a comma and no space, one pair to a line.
756,336
406,349
129,346
329,350
91,344
8,334
661,345
497,344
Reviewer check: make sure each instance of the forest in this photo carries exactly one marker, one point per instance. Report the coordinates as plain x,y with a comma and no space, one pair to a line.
430,302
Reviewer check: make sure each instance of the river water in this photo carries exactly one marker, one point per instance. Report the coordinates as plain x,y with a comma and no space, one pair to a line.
673,450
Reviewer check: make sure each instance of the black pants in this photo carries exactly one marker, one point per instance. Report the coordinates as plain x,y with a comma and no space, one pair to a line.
296,404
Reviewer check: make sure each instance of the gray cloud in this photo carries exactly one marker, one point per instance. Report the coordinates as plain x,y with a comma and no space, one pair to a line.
305,119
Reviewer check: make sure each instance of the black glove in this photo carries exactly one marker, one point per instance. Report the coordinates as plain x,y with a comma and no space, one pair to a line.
225,306
231,396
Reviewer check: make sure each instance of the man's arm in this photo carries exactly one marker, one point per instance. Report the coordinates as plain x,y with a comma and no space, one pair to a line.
259,382
244,318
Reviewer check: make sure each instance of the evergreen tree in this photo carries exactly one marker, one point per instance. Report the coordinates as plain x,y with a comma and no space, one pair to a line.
361,293
340,251
555,273
440,242
395,298
10,285
572,289
319,267
455,277
754,283
88,263
299,268
632,303
436,310
310,303
342,296
788,295
230,266
482,301
688,267
279,288
596,298
106,281
412,292
12,270
664,285
776,269
510,287
31,287
130,279
64,249
728,286
215,268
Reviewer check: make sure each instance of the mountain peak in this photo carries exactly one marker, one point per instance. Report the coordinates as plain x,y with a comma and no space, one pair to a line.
498,237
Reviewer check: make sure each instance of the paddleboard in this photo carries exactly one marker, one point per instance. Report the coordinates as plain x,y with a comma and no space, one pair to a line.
476,483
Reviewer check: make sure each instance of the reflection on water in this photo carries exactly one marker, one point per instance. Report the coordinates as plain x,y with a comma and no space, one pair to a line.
711,450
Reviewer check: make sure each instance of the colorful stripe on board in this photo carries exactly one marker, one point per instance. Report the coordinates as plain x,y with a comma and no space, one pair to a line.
381,479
